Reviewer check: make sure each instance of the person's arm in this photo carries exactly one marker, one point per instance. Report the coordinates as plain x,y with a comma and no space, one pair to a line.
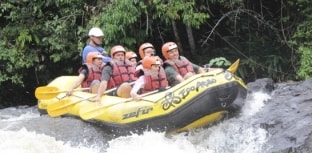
101,90
106,74
139,83
80,79
179,78
172,74
201,70
198,69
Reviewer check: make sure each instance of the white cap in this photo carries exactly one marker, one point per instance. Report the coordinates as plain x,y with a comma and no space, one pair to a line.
97,32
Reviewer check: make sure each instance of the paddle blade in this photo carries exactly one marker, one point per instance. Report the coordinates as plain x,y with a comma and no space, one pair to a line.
234,66
61,107
46,92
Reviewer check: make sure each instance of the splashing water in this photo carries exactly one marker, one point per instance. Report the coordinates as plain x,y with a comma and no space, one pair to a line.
254,103
235,135
23,141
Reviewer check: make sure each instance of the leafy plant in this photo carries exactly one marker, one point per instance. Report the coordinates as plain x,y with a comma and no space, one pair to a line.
219,62
305,70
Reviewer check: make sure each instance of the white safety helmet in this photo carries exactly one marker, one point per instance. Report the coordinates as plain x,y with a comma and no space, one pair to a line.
97,32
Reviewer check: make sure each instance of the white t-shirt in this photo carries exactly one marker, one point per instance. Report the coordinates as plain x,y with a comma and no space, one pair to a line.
139,83
139,67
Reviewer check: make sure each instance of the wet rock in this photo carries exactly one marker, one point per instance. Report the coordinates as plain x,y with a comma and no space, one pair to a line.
265,85
287,116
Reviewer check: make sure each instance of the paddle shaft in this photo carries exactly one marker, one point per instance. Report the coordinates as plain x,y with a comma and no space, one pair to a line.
49,92
94,112
80,89
64,106
128,99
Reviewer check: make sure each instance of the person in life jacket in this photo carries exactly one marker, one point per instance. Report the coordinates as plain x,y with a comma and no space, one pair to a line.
153,78
177,68
89,73
95,41
117,74
146,49
132,57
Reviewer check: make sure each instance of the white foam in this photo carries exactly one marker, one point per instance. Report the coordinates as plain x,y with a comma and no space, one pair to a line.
235,135
23,141
151,142
254,103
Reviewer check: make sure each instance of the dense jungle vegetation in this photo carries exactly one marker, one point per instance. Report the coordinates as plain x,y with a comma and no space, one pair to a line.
43,39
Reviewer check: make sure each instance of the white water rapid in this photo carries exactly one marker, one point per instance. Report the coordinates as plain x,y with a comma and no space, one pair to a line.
21,131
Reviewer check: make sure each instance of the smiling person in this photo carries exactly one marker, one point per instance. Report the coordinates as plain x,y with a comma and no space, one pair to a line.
117,73
177,68
153,78
146,49
95,41
132,57
89,73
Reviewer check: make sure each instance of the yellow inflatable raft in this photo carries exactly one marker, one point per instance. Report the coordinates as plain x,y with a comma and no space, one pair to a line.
198,101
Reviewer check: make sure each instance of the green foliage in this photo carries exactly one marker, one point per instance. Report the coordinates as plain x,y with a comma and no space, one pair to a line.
131,22
258,37
301,40
119,20
35,37
35,33
40,40
305,70
180,10
219,62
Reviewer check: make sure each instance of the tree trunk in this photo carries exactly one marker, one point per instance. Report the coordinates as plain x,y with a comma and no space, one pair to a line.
176,36
191,40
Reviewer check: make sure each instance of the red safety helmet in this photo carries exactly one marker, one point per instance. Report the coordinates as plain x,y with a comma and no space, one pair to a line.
130,55
93,55
167,47
148,61
144,46
115,49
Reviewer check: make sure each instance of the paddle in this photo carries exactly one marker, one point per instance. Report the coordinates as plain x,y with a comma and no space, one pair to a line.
94,110
234,66
48,92
64,106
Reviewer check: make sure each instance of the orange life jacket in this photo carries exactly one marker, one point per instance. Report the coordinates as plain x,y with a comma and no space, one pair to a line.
94,73
182,65
123,71
154,80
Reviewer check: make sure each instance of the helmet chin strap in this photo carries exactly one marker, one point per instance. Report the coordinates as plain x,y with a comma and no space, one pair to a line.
94,42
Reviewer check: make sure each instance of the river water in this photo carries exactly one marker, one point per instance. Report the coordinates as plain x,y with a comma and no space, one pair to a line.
24,130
